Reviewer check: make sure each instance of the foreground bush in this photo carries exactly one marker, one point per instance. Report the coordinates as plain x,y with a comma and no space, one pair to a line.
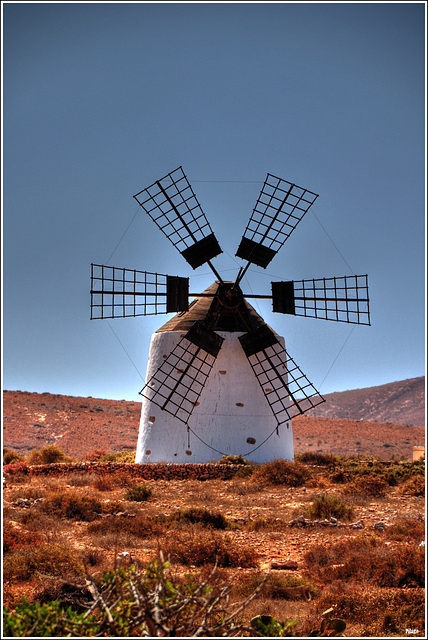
132,603
290,474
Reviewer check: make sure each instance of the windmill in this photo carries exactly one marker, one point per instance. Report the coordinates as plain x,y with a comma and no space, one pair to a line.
219,379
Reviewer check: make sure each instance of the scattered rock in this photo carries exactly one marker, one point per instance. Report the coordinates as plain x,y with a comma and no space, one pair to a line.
380,526
289,565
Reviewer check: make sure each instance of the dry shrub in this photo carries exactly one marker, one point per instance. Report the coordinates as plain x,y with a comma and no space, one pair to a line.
49,559
276,586
118,540
10,456
138,493
102,483
15,539
317,458
407,529
414,486
281,472
95,456
327,506
34,520
71,505
368,559
141,526
198,546
16,473
119,456
50,454
382,613
28,492
68,593
367,485
80,479
199,515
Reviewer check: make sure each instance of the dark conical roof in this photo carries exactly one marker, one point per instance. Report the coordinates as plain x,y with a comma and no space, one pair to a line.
242,317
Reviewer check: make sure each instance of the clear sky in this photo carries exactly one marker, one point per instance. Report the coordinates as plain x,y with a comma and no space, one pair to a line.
102,99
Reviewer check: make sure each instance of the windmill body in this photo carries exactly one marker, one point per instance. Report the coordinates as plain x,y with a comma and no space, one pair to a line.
219,380
232,416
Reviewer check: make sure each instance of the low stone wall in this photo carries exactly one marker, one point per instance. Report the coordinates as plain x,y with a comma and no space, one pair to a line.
155,471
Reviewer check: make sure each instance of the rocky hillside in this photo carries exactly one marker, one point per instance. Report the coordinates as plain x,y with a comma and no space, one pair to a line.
81,425
398,402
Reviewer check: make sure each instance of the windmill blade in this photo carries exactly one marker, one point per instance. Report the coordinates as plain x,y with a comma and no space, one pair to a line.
121,293
172,205
178,382
280,207
343,299
286,388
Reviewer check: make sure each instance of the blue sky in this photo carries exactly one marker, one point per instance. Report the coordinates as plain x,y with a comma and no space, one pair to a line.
100,100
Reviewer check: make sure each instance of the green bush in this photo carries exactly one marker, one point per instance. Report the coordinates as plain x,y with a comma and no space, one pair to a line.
138,493
46,620
328,506
281,472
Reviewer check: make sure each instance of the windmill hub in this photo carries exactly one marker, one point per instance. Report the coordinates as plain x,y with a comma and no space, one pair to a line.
216,371
229,295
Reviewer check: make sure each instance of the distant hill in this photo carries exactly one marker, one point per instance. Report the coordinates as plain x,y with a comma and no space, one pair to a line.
397,402
366,421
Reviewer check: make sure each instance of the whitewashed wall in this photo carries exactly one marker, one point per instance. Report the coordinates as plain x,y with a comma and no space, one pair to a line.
232,409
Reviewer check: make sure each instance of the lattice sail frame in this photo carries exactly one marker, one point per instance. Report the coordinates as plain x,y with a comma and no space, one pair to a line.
178,383
279,208
173,206
286,388
120,293
341,299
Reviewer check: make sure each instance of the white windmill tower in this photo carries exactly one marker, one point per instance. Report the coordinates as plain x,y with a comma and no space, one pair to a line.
219,380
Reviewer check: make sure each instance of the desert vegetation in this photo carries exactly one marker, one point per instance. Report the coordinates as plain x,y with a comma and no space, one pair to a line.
328,545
